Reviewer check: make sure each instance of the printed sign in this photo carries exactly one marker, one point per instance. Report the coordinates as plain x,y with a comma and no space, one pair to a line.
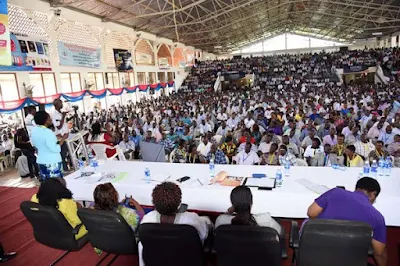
5,46
123,60
80,56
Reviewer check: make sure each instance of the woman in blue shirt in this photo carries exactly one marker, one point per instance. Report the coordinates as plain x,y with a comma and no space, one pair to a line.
45,141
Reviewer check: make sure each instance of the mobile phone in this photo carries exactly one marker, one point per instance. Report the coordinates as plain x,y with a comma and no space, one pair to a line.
183,179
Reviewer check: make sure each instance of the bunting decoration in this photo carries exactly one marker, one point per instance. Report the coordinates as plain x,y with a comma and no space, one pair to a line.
13,106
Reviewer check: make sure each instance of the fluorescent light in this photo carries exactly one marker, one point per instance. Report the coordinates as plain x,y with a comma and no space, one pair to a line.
377,33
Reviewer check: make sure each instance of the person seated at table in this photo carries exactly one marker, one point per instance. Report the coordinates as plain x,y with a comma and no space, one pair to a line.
378,153
291,147
216,154
106,199
180,153
204,146
340,204
128,147
229,148
272,157
53,192
284,155
247,156
313,152
107,138
339,149
166,198
193,156
240,212
352,158
394,150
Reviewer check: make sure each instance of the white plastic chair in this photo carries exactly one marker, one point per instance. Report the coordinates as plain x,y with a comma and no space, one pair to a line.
301,153
100,151
172,156
301,162
217,139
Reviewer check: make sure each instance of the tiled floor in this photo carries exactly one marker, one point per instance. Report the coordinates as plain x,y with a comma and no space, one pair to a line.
10,178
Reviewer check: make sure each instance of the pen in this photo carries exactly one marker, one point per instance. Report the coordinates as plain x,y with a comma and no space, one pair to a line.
199,181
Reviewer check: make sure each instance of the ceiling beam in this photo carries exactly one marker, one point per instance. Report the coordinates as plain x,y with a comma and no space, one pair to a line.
172,11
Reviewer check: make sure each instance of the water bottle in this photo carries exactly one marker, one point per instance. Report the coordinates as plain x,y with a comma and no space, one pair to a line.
278,178
81,165
287,167
388,167
381,167
147,175
211,166
374,169
90,155
366,168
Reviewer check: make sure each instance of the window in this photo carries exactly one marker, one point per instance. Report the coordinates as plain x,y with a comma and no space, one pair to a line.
141,78
112,80
152,77
170,76
70,82
8,87
44,84
97,80
161,76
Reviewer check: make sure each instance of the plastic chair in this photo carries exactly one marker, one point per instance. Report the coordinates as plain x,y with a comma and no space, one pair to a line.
301,162
172,156
100,151
217,139
108,231
238,245
171,245
331,243
51,229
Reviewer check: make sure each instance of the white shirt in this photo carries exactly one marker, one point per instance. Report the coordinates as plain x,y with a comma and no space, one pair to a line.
126,146
244,158
29,123
204,128
204,149
310,152
8,145
249,123
264,147
232,123
57,117
262,219
222,117
222,131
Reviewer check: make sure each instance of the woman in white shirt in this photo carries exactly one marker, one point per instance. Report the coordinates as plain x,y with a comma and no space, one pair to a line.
167,198
240,212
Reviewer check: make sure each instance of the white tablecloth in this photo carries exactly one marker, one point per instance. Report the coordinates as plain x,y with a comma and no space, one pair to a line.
289,201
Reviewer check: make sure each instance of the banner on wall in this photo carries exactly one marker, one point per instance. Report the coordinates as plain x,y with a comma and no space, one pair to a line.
5,45
80,56
143,59
163,63
354,69
29,53
123,60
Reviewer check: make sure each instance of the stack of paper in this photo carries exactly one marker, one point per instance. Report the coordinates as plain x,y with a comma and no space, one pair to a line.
317,188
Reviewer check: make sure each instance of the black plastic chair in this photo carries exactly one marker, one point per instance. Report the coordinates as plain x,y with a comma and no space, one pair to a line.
50,228
109,232
171,245
238,245
331,243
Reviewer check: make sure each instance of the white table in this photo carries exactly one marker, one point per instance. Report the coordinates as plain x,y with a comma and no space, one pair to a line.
289,201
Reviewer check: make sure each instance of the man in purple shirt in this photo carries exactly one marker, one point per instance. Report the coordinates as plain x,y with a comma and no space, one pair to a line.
340,204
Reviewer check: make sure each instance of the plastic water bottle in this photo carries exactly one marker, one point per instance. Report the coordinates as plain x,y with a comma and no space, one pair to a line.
278,178
287,167
81,165
147,175
374,169
366,168
211,166
90,155
388,167
381,167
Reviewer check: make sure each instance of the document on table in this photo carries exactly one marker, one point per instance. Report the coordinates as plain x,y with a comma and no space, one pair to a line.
317,188
260,182
93,178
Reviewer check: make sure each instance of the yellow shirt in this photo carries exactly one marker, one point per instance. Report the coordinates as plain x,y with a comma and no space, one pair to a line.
356,162
69,209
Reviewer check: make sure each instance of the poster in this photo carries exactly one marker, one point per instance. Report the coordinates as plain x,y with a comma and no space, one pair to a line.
123,60
5,45
28,53
163,63
80,56
143,59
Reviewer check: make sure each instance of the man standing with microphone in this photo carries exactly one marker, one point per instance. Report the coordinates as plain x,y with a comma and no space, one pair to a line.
61,129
